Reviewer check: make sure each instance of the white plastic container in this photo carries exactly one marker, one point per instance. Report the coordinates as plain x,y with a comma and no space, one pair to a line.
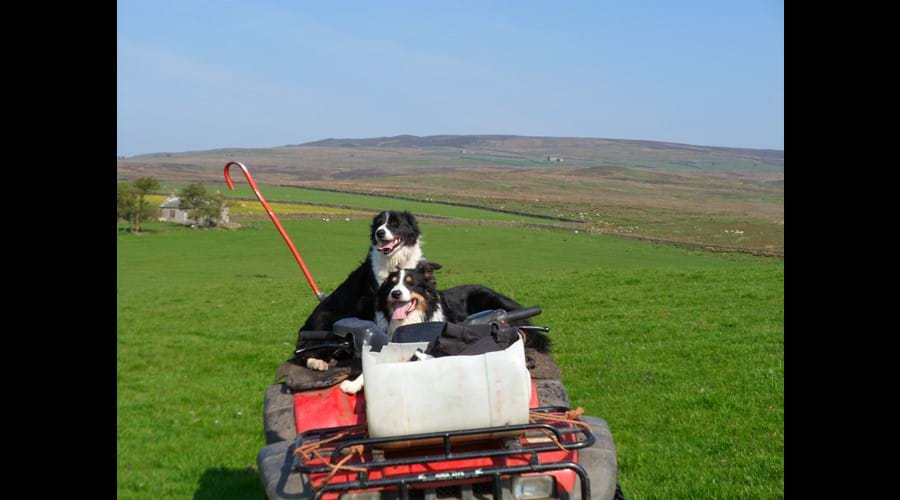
444,394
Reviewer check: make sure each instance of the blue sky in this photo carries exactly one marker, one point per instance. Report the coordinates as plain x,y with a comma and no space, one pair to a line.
195,75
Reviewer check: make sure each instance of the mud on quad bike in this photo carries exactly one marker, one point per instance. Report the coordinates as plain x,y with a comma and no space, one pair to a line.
317,444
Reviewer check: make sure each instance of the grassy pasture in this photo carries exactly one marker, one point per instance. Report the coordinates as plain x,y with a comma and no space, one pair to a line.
681,351
683,208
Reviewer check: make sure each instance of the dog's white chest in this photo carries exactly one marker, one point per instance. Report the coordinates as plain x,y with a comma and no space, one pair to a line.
404,258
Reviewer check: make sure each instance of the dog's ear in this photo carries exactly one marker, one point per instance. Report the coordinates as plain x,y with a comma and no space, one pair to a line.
428,269
376,221
412,220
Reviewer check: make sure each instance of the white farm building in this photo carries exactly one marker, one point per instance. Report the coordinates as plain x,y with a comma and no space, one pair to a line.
170,211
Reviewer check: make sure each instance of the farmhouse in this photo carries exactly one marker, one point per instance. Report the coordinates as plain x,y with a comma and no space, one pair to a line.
170,211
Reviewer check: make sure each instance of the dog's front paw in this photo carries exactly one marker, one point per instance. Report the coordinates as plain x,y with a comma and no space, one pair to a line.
352,386
316,364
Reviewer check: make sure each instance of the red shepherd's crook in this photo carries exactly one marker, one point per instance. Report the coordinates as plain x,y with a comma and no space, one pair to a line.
287,239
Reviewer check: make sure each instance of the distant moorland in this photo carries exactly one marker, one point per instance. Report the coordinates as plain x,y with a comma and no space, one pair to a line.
722,198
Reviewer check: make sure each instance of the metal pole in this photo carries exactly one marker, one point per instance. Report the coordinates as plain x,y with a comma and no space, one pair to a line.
287,239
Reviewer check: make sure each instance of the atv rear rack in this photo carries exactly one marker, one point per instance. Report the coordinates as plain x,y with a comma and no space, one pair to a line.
560,436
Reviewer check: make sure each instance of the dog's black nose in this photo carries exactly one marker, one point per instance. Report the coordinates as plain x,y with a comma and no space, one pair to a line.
380,233
396,294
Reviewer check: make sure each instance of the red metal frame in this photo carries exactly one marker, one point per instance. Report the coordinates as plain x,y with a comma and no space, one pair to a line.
330,407
265,204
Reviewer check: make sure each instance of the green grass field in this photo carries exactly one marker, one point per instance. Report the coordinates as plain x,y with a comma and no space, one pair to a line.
681,351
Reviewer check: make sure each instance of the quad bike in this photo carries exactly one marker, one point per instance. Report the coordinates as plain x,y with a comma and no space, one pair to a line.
318,444
318,447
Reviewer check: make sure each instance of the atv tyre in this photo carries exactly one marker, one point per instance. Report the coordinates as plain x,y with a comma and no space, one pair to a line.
278,414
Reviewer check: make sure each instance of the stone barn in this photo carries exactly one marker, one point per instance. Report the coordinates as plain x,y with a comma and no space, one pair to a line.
170,211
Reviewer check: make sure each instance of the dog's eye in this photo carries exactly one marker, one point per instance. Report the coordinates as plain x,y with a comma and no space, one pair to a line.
394,279
409,279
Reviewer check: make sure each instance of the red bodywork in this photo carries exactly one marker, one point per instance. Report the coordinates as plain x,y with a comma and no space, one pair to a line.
331,407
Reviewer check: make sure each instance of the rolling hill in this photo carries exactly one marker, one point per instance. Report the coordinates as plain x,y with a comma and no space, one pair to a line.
714,196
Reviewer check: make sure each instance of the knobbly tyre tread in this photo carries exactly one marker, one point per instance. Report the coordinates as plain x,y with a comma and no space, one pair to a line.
278,414
599,460
274,464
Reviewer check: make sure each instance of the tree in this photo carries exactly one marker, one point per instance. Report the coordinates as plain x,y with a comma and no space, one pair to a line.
143,210
126,201
210,212
193,196
202,206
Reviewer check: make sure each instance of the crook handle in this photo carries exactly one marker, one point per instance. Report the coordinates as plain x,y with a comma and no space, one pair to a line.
265,204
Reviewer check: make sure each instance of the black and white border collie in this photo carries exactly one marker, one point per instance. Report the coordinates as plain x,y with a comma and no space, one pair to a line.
395,243
409,296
